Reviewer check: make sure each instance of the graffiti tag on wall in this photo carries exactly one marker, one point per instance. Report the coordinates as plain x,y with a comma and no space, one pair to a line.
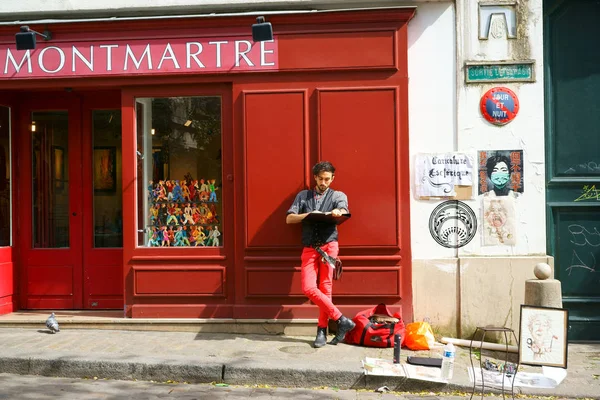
589,193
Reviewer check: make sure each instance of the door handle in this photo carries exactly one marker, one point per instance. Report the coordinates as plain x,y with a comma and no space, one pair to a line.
74,214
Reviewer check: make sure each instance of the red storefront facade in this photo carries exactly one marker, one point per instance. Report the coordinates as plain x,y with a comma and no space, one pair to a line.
332,85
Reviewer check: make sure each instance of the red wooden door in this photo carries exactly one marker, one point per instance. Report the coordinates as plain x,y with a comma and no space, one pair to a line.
102,201
62,268
8,273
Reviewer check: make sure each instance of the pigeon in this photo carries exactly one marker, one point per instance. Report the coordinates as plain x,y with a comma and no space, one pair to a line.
52,323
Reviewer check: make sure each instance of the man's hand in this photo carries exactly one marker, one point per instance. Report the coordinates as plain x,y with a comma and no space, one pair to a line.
295,218
337,213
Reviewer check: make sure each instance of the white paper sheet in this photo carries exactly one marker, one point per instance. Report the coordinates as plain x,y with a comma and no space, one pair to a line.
437,174
380,367
548,379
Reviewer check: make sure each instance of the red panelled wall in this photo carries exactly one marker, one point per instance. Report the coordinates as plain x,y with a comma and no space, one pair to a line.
358,120
285,131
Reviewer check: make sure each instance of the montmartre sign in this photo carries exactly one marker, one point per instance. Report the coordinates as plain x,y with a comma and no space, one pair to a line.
136,57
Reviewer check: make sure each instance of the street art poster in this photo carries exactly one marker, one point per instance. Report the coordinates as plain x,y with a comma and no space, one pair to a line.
543,336
501,172
499,221
445,175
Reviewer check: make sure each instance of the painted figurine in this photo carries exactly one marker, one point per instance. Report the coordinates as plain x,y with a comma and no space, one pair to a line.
154,214
153,240
150,191
188,215
171,216
212,189
204,191
177,194
181,237
214,234
162,214
199,237
185,191
171,235
164,236
161,191
192,188
215,216
169,188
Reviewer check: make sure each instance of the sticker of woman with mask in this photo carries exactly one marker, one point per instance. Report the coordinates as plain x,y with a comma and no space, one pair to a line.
501,173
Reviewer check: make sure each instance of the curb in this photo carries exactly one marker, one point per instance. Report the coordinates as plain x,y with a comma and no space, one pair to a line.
144,370
242,372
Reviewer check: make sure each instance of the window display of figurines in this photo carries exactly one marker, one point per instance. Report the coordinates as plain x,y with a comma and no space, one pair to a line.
183,213
203,190
184,236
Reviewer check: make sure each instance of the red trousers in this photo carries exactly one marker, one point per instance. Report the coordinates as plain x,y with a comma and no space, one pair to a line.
317,277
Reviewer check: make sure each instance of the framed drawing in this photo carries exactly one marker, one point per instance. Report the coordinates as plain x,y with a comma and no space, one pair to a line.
543,336
105,169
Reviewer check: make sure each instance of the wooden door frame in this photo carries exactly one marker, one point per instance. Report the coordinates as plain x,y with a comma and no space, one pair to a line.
48,101
90,254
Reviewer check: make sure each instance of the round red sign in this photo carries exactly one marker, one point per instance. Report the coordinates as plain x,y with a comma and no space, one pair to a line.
499,105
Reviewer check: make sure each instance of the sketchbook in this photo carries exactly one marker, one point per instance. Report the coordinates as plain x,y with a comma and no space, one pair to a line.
327,217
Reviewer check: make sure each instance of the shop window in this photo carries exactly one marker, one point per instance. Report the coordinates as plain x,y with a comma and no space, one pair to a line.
179,192
108,199
50,183
5,200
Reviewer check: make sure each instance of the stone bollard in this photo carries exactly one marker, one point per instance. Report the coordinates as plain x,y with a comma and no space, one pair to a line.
543,292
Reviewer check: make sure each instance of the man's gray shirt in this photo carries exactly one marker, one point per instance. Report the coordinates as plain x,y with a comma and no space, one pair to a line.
307,201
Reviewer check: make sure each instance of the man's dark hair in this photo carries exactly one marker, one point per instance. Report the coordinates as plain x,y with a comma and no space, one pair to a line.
323,166
494,160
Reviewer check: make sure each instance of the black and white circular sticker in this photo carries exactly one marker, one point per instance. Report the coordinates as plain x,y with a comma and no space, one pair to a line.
453,224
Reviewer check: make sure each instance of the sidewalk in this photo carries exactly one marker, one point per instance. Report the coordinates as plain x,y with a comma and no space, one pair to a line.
281,361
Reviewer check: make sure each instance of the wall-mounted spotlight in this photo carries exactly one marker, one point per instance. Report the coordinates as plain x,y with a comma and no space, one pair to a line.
25,39
262,31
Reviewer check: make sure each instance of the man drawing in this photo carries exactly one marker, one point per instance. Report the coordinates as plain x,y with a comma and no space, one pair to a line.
324,235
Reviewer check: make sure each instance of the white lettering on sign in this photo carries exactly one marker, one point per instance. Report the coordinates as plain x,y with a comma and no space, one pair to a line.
109,48
218,48
189,55
137,57
61,63
499,114
242,54
264,52
129,54
170,57
77,54
26,57
501,96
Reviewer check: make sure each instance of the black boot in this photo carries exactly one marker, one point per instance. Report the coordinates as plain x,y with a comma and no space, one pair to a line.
345,325
321,339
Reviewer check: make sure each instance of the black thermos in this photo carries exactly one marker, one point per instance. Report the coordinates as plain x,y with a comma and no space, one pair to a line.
397,345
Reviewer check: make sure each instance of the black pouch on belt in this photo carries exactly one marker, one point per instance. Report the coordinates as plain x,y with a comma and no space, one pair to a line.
334,262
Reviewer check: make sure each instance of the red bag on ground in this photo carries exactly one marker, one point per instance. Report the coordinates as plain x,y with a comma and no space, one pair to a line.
376,327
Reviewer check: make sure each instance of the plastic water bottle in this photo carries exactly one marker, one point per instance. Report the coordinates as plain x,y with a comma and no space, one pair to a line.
448,361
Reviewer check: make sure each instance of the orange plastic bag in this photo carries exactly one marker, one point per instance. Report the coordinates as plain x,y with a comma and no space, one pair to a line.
419,336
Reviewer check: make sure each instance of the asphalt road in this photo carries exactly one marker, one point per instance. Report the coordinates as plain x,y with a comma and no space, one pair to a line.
21,387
